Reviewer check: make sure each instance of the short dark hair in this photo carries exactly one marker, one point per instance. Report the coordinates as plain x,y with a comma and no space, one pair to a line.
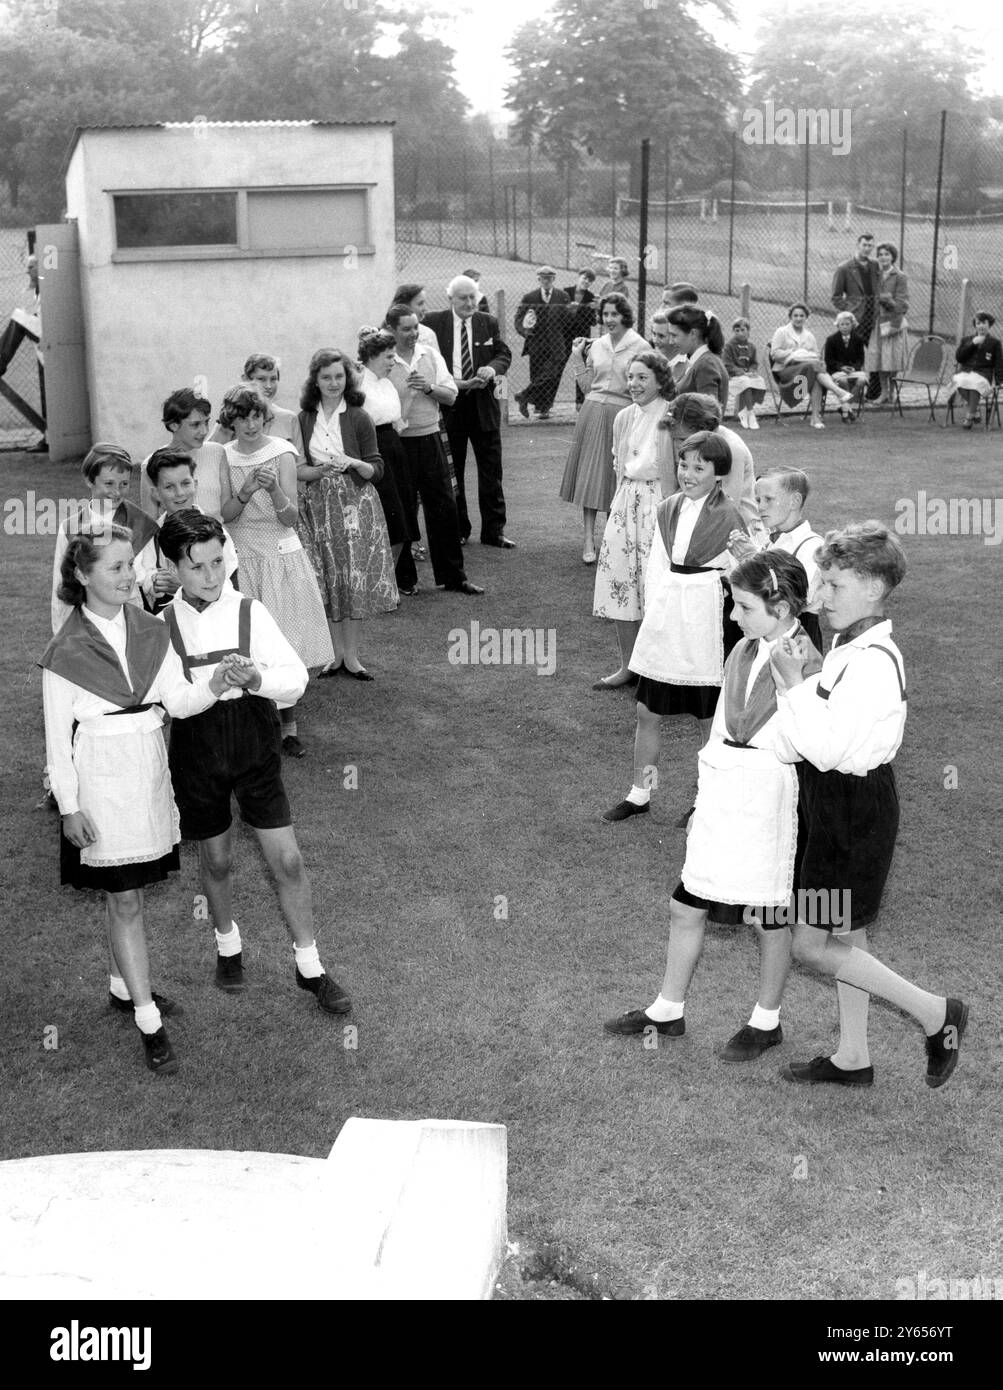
865,236
180,404
683,292
397,311
324,357
621,304
260,362
373,341
775,576
792,480
695,410
589,274
240,402
985,316
82,553
798,305
403,294
166,458
105,456
893,251
689,317
711,448
185,529
866,547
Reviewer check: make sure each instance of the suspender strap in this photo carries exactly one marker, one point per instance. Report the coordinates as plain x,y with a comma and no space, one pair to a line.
177,643
875,647
244,627
243,647
806,541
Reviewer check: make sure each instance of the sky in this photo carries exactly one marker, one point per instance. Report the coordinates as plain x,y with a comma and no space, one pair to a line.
482,29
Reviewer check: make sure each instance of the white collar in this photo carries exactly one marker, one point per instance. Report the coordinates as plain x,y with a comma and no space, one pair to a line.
696,502
699,352
116,624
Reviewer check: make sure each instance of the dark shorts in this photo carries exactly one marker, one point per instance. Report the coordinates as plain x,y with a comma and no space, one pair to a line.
851,824
232,749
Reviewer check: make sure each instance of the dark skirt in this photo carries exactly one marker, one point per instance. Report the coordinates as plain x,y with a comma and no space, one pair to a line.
112,878
399,529
698,700
850,828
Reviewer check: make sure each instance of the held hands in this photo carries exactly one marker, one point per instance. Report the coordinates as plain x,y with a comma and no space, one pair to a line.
266,476
241,673
79,829
416,381
740,546
164,582
787,662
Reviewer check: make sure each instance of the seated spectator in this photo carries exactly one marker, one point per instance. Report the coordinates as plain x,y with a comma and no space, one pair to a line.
980,359
794,358
740,361
844,353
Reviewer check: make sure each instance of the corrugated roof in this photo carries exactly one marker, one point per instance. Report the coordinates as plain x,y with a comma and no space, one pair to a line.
206,125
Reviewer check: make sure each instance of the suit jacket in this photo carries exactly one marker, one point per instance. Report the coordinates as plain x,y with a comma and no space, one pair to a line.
358,438
855,287
840,357
487,350
549,334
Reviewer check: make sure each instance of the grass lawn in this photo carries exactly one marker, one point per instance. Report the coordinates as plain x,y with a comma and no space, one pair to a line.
486,923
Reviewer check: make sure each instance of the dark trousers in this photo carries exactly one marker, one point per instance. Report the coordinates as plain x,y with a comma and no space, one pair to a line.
463,427
428,475
545,371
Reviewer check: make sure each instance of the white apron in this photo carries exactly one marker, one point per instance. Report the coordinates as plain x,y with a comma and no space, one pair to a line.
681,641
125,788
743,833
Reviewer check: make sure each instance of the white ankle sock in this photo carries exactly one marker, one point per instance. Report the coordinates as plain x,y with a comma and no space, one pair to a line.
766,1019
148,1019
229,943
664,1010
638,796
308,961
118,987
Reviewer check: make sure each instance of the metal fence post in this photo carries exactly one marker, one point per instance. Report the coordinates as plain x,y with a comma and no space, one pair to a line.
529,199
905,147
567,215
612,230
731,212
936,220
491,181
642,269
807,186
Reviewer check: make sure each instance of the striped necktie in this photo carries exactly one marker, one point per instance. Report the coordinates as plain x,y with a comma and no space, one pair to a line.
466,362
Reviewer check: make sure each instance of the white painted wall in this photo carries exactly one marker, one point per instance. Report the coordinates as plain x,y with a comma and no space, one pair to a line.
153,326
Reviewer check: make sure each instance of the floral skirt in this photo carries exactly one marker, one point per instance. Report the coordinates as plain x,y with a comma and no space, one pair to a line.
626,544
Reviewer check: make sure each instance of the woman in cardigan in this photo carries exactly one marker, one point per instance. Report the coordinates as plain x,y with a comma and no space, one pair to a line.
589,478
698,335
341,521
979,358
886,352
793,354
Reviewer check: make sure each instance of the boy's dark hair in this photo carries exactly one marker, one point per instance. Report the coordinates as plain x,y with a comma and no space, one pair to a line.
185,529
621,304
793,480
589,274
774,576
82,553
866,547
166,458
985,317
260,362
180,404
711,448
105,456
324,357
240,402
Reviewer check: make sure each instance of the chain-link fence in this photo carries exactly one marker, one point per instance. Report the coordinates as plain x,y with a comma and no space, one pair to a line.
22,371
779,219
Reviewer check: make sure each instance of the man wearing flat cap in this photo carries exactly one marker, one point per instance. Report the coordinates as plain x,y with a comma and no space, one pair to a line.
540,318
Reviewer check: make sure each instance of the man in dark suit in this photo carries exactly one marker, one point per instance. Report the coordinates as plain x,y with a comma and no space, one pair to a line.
541,319
471,345
581,318
855,287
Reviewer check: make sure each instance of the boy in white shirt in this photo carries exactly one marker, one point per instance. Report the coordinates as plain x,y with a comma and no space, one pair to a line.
238,753
781,494
172,489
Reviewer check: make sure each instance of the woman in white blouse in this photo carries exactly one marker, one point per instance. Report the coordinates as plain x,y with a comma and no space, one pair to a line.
643,463
794,354
383,405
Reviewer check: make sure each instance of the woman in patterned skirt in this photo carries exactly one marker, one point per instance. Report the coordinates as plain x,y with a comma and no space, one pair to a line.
342,524
260,508
642,456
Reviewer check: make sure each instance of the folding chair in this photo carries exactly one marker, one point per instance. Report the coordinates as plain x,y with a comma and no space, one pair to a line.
991,403
924,368
790,394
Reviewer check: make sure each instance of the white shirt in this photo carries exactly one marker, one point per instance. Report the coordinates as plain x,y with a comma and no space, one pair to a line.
65,702
861,724
146,562
382,403
686,520
325,442
460,327
421,411
283,675
789,541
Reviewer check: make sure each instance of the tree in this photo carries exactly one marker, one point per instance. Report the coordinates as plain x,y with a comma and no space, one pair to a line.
596,79
888,75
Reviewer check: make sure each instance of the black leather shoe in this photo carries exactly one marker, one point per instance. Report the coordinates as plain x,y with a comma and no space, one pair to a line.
821,1069
159,1053
410,593
943,1047
623,810
329,672
292,747
501,542
750,1043
465,588
166,1006
523,407
360,675
636,1021
230,973
330,996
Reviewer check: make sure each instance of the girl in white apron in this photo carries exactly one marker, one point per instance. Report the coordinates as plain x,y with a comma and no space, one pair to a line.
742,844
108,675
684,636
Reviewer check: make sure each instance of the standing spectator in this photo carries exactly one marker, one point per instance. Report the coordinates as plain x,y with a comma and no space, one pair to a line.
589,478
740,362
541,319
980,359
663,341
682,292
483,307
617,282
377,350
423,382
855,287
472,348
185,416
844,352
262,370
416,299
699,336
886,351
